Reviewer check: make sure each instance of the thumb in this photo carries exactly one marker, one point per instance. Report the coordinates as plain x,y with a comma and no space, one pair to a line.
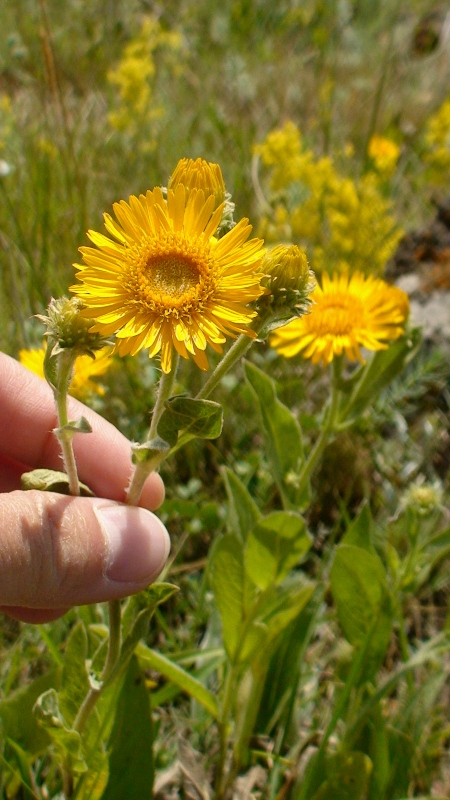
58,551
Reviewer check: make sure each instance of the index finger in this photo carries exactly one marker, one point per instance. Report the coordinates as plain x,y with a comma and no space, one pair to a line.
27,421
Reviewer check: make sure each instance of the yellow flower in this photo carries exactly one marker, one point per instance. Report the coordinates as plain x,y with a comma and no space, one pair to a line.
85,369
199,174
384,153
348,313
167,282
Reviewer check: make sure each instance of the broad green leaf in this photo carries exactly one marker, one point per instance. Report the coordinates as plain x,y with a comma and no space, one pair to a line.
227,581
286,660
285,605
243,513
176,674
50,480
361,595
384,366
274,546
348,776
281,608
282,434
16,714
131,768
200,418
75,679
360,532
66,741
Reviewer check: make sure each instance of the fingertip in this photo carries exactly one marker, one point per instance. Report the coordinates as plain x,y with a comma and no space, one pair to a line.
153,493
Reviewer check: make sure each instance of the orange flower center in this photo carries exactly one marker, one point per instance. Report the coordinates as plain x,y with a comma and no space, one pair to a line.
336,315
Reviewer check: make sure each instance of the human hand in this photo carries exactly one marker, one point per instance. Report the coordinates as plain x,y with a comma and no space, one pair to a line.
58,551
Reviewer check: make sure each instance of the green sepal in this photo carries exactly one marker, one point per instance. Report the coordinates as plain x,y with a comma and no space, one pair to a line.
50,480
50,365
202,419
146,452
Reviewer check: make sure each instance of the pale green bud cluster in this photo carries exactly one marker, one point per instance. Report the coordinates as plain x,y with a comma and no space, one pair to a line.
67,329
288,281
423,498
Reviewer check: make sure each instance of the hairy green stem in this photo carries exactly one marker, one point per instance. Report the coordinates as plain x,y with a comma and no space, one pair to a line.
65,362
143,469
112,656
236,351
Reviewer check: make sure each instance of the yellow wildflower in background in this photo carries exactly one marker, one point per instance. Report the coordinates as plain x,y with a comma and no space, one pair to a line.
384,153
167,283
85,369
343,224
347,313
134,77
437,145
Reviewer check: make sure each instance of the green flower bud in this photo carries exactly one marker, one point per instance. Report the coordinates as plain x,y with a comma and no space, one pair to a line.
288,281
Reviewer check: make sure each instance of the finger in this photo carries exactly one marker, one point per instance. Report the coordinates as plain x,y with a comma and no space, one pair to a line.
58,551
26,438
36,616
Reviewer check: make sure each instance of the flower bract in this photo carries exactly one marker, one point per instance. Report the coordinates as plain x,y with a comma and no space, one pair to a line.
348,313
165,282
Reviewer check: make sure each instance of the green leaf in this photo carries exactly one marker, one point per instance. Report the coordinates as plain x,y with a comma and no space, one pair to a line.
138,612
22,759
76,426
200,418
243,513
16,714
75,679
50,480
177,675
227,579
359,589
360,532
67,742
274,546
131,768
282,434
286,605
384,366
145,601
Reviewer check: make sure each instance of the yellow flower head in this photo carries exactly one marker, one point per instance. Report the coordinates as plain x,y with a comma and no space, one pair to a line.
167,283
347,313
85,369
384,153
199,174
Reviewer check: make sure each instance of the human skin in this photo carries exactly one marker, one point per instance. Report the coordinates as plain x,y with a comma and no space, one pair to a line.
58,551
